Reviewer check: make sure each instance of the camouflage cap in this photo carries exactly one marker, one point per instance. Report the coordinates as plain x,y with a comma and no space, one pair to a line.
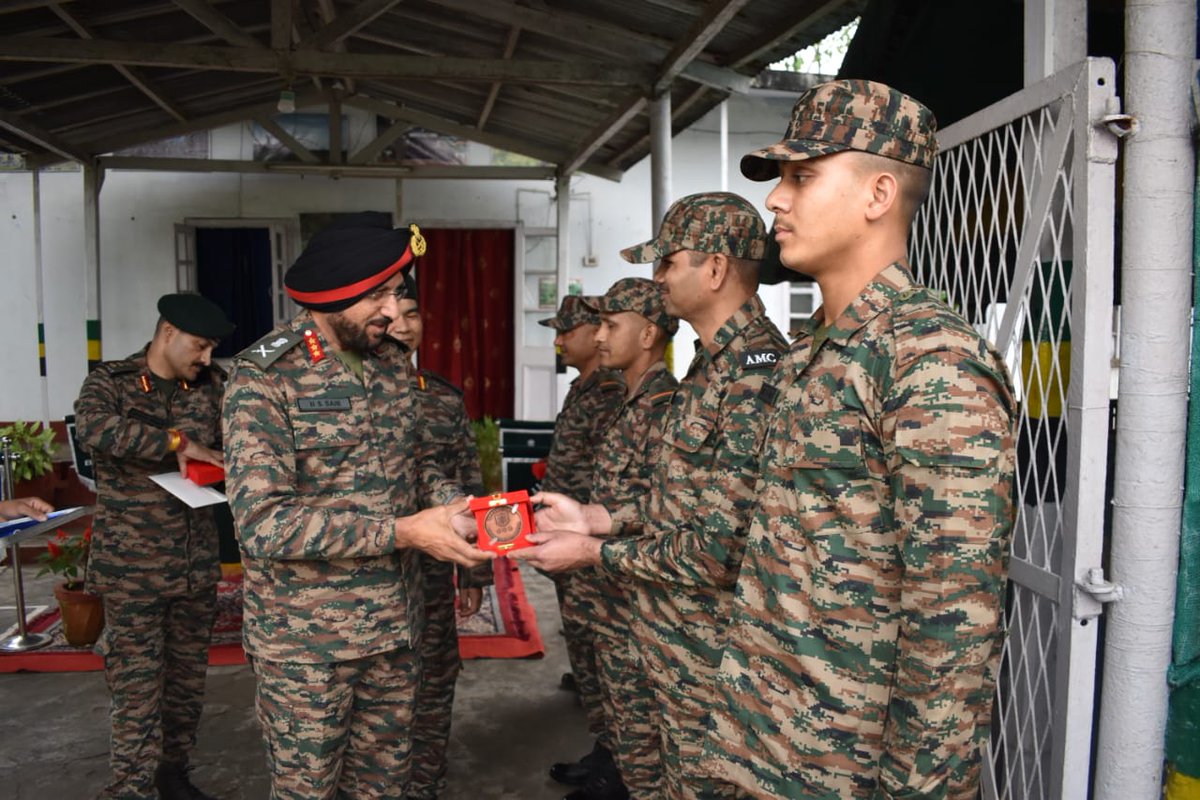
572,313
639,295
850,115
710,222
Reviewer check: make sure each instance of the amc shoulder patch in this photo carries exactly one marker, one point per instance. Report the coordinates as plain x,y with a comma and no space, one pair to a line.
760,359
267,350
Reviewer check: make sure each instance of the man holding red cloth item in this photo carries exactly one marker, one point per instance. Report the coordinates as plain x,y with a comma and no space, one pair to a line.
326,474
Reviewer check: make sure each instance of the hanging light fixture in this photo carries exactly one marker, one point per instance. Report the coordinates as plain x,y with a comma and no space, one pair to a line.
287,101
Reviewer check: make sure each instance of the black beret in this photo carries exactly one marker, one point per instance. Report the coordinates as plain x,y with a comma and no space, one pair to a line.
350,258
196,315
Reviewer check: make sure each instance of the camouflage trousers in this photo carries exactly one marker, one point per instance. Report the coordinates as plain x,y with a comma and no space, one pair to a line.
341,729
630,703
684,683
440,665
577,606
155,653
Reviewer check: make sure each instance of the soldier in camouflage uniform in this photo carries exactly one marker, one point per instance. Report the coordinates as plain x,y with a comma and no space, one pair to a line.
153,560
634,331
681,573
866,632
453,446
590,406
326,472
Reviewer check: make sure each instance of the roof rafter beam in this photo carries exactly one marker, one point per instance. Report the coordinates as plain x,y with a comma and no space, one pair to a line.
218,23
372,150
451,128
286,139
310,62
347,24
716,16
419,171
580,30
807,15
134,76
510,46
33,132
602,133
281,24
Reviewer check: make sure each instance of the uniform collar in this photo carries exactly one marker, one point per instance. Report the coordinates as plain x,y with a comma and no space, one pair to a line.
648,379
747,313
876,297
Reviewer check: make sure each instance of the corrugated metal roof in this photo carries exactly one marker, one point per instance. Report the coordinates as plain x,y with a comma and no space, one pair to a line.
564,81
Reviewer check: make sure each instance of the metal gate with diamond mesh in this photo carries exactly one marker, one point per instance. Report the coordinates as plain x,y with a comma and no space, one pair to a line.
1018,236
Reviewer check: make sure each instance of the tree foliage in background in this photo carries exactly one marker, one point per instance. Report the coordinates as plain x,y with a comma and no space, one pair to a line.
487,442
824,57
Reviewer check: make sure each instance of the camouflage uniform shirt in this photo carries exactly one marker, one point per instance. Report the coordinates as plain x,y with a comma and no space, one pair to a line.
318,466
146,542
865,632
589,408
686,564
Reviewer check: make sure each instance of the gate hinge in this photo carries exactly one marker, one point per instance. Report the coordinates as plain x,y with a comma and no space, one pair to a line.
1093,592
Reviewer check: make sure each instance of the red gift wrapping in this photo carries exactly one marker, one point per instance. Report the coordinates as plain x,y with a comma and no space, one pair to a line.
202,474
504,521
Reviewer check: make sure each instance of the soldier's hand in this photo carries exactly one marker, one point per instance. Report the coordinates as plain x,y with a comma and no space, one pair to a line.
194,451
469,600
34,507
558,513
464,524
558,551
431,532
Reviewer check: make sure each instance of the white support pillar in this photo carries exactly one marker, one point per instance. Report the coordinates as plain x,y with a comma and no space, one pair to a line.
1055,36
660,159
1156,258
725,146
562,198
93,179
40,293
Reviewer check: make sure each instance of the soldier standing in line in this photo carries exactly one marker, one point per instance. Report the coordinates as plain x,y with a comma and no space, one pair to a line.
589,408
444,417
633,336
153,560
326,474
866,632
681,573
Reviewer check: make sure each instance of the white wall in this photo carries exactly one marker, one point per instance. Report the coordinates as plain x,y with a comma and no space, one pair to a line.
138,211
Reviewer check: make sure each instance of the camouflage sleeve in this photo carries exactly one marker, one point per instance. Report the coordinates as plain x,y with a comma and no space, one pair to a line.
273,520
629,521
102,428
436,487
471,478
568,449
705,548
951,417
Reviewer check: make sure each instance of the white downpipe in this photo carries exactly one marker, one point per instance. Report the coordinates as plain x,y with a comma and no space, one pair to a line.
1156,253
40,292
725,146
660,159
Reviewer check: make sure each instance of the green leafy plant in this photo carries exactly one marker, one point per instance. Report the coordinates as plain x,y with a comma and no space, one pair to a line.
487,442
66,556
31,442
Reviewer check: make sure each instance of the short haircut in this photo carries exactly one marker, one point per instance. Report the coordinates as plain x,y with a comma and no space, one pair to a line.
914,180
744,270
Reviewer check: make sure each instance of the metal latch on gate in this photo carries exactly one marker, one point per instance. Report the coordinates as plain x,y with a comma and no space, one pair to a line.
1093,592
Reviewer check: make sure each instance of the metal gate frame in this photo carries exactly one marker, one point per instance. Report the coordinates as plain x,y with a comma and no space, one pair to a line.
1022,212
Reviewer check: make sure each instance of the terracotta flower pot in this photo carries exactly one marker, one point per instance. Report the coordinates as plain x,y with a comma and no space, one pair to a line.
82,615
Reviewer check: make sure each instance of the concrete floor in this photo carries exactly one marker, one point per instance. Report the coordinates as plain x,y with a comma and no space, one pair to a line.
510,722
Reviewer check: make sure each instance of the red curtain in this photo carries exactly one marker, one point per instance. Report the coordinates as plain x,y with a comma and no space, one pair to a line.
466,286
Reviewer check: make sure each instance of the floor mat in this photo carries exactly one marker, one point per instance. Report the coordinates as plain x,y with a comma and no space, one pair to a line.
505,625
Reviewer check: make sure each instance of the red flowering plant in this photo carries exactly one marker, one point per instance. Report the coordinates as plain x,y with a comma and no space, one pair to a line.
66,555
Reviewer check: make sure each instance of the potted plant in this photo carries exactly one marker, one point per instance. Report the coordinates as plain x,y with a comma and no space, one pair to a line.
32,444
82,612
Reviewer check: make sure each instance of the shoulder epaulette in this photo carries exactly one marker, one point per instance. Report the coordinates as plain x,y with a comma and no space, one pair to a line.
433,377
662,397
762,358
609,385
121,367
267,350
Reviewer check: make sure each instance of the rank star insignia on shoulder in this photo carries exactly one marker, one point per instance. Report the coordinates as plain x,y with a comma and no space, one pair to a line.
267,350
760,359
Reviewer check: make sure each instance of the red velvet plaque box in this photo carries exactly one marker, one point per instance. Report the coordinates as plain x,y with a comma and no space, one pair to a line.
504,520
202,474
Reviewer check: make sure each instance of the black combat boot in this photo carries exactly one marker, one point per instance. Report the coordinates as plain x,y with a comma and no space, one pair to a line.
172,783
576,773
604,783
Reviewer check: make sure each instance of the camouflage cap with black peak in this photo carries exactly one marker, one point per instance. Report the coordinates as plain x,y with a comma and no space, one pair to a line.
850,115
639,295
572,313
709,222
